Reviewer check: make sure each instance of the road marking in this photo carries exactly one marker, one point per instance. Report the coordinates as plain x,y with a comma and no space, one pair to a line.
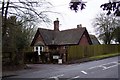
103,65
73,78
57,76
76,77
84,72
110,63
110,67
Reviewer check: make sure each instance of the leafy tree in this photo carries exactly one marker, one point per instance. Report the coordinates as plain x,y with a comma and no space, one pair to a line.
105,26
111,6
17,38
75,4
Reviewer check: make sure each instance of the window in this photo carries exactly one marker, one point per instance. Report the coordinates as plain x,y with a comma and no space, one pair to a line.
35,48
38,49
41,48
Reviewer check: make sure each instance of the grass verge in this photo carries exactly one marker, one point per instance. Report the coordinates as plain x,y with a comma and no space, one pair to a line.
104,56
93,58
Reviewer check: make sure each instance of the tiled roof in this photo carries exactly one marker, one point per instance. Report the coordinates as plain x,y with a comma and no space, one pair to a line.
71,36
94,39
65,37
47,35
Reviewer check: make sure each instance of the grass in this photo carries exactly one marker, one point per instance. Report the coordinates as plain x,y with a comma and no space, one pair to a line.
94,58
104,56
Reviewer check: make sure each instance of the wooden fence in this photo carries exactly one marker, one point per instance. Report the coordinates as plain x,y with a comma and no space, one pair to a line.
79,52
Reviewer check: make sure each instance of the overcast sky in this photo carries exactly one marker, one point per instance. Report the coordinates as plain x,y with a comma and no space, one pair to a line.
69,19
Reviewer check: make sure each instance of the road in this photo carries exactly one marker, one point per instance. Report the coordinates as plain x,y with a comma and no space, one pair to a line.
105,68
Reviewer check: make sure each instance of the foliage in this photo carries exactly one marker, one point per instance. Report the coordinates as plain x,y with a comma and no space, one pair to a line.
16,39
117,33
31,57
105,26
74,5
112,6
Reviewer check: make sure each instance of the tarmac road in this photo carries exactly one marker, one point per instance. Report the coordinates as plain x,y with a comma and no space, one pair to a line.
105,68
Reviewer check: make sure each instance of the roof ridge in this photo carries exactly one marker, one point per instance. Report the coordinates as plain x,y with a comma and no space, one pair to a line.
73,29
45,29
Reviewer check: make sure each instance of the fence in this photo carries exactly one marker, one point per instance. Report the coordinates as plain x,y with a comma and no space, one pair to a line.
79,52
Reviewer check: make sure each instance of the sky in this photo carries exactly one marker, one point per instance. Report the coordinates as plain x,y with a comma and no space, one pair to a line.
70,19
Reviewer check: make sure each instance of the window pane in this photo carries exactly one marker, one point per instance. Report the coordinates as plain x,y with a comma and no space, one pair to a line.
40,48
36,48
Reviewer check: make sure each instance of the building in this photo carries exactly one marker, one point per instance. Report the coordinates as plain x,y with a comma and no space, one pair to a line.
53,43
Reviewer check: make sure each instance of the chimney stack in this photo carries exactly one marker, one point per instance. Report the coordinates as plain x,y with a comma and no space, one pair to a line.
56,25
79,26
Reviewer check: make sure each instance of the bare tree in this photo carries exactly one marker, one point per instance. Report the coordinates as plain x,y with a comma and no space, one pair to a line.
31,10
105,26
117,32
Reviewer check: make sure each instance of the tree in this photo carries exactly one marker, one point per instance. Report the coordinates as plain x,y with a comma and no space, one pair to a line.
111,6
75,4
117,32
28,8
105,26
17,38
32,11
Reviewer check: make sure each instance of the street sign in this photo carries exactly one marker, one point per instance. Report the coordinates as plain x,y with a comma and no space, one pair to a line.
55,57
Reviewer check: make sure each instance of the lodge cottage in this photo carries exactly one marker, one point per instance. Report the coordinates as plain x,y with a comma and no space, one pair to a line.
53,43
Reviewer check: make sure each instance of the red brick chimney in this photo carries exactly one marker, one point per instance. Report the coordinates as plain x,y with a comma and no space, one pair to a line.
56,25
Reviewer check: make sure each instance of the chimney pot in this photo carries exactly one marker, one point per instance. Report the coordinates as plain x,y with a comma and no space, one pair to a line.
79,26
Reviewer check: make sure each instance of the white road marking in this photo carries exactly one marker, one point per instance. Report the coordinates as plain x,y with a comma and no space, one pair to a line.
110,63
93,67
102,65
110,67
84,72
57,76
76,77
73,78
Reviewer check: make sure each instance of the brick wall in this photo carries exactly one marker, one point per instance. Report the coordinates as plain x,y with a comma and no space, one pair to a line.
84,40
39,38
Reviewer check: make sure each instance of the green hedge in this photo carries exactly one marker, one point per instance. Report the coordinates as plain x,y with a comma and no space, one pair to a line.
79,52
